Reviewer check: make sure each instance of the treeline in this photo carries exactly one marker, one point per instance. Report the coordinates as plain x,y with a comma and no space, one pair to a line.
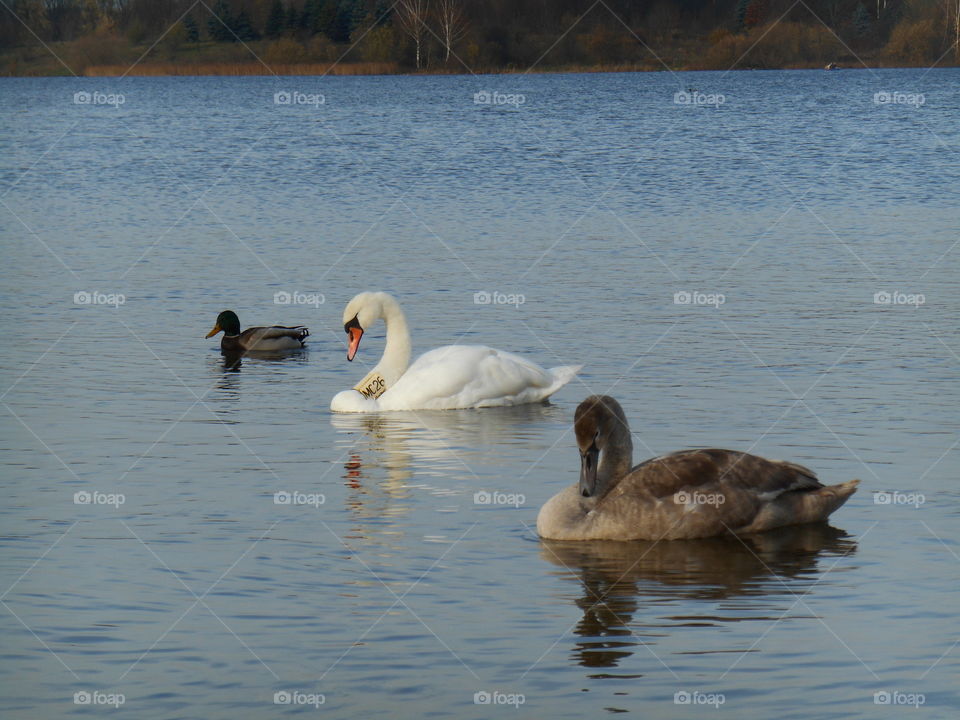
453,35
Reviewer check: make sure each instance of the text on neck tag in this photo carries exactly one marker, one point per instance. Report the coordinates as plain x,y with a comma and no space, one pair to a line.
372,386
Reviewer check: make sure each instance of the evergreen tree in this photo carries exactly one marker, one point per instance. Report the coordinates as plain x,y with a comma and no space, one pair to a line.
741,14
221,22
862,23
293,19
276,20
311,20
191,29
244,29
382,12
339,29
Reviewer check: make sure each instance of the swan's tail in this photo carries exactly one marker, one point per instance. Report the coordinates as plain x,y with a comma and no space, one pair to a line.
818,505
801,506
561,376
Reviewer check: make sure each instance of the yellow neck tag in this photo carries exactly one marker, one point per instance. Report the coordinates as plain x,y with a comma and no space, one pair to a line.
372,386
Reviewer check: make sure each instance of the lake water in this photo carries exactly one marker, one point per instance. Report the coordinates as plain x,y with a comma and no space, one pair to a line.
714,264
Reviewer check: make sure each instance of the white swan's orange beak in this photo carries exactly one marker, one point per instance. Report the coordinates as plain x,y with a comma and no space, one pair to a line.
354,334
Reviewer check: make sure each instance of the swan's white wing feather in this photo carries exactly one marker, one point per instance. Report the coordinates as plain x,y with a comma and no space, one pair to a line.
457,376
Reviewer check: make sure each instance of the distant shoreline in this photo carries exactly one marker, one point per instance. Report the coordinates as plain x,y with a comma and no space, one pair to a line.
255,69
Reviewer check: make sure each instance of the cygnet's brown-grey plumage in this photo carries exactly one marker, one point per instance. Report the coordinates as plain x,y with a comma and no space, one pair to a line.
686,494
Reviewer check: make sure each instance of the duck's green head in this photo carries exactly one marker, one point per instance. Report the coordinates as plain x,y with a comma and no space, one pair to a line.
227,322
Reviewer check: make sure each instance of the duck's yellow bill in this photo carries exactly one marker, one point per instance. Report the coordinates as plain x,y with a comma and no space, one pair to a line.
216,329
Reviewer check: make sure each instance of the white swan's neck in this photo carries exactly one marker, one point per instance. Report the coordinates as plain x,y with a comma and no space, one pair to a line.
396,353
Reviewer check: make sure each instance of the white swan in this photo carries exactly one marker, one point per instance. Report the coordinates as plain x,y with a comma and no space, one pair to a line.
450,377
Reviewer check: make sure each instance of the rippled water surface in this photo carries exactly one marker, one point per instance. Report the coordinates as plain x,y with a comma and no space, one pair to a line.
601,206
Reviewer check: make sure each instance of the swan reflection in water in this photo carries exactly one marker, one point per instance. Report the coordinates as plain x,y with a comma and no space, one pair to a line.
392,454
619,577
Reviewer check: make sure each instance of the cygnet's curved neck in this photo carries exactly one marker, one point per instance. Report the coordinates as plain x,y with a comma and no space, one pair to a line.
616,456
396,353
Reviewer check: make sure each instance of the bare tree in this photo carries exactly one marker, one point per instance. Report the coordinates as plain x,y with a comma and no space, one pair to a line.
955,21
413,16
453,24
951,11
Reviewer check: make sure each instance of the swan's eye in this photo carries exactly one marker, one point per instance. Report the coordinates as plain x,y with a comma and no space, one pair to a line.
355,323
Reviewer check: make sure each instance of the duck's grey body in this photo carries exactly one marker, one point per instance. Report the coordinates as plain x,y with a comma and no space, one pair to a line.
687,494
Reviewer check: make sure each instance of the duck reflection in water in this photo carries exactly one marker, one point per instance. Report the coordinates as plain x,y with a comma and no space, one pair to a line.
614,575
233,359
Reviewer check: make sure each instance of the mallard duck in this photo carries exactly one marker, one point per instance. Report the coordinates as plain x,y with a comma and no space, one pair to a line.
686,494
275,337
